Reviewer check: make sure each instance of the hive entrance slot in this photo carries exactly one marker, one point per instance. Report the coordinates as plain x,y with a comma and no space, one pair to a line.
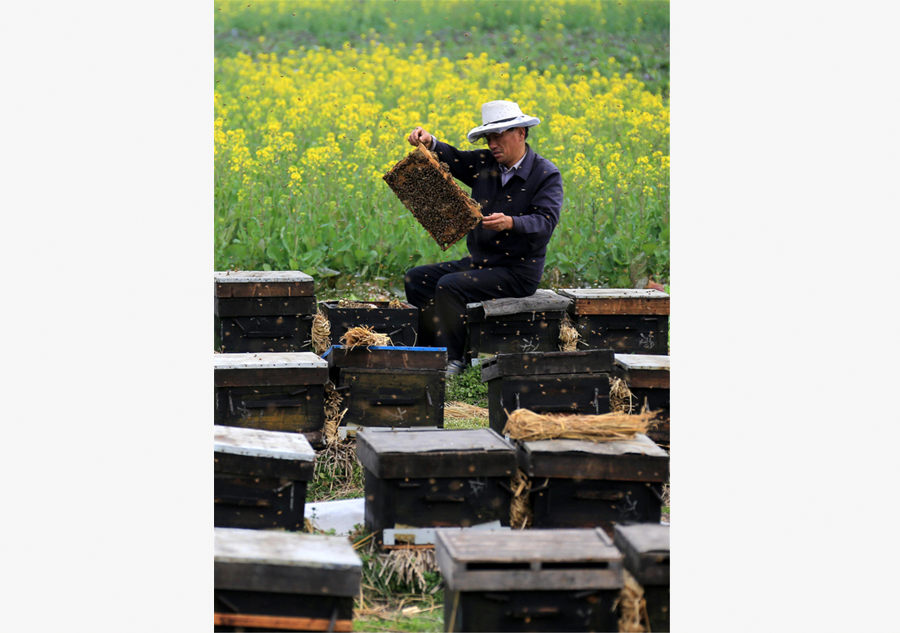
497,566
576,565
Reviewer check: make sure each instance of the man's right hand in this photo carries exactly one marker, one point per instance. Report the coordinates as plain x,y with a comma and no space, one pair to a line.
419,135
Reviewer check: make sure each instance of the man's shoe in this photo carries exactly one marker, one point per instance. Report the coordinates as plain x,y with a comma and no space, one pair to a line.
455,367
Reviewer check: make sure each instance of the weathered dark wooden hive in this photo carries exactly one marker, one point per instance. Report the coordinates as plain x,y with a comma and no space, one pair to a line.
576,483
259,311
427,189
623,319
526,331
547,382
389,386
435,478
532,580
399,324
646,557
267,580
274,392
647,377
261,478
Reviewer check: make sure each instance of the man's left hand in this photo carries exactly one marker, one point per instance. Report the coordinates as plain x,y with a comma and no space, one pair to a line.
497,222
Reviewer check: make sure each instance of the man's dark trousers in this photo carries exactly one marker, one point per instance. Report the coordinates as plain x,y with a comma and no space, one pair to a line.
441,292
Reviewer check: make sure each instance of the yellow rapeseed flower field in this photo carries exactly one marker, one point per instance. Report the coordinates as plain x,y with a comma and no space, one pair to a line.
302,140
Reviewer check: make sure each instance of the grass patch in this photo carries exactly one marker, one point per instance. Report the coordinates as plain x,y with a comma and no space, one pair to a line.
338,474
468,423
467,387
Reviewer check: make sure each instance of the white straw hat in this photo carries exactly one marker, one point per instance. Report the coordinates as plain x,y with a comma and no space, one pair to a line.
498,116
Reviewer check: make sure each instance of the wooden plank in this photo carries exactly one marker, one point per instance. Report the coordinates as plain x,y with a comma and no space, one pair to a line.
642,362
262,467
646,379
264,306
262,444
544,363
622,306
557,459
611,294
376,357
270,377
297,289
474,461
282,623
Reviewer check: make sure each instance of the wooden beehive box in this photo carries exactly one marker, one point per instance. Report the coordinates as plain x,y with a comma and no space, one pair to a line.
647,377
261,478
626,320
512,333
400,324
274,392
259,311
533,580
435,478
384,386
267,580
577,483
646,557
547,382
427,189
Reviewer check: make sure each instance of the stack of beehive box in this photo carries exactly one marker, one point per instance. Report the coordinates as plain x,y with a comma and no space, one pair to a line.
382,386
269,407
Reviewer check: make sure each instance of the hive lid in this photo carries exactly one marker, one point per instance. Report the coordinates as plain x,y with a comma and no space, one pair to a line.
268,360
260,276
258,283
646,371
646,550
643,362
617,301
557,559
285,562
401,453
233,440
269,369
639,459
547,363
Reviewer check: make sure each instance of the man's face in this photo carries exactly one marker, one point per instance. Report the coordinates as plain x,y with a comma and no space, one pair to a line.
507,147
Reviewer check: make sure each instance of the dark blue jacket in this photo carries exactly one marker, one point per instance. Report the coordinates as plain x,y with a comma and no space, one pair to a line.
532,197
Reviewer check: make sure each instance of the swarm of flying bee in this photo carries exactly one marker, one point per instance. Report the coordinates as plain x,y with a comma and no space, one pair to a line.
427,189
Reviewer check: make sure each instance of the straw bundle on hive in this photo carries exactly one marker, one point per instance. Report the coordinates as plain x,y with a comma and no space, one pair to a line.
395,303
568,335
333,413
528,426
633,617
321,333
427,189
463,411
520,513
364,336
620,397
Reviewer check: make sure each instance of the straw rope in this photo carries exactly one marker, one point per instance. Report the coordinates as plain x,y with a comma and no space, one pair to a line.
633,616
520,513
568,335
321,333
333,413
621,399
527,426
